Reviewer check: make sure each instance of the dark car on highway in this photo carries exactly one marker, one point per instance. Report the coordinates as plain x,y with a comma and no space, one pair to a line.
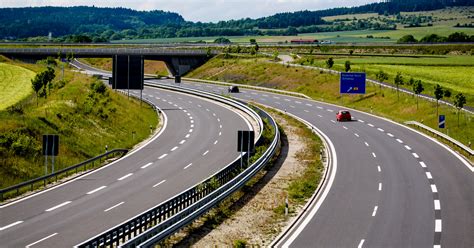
233,89
343,115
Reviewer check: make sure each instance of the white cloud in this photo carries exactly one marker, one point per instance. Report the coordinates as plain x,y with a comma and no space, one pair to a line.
202,10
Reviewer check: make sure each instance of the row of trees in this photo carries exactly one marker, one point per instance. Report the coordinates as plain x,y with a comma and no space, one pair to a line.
42,83
434,38
416,84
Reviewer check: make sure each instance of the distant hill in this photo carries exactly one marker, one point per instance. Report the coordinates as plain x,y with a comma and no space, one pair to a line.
39,21
91,24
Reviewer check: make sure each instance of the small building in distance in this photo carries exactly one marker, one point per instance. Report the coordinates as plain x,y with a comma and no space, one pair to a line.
304,41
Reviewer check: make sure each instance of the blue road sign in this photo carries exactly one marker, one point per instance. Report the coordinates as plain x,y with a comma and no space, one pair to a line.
442,121
352,83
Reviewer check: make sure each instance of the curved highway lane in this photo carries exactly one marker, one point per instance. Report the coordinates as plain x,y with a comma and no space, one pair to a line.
199,139
393,186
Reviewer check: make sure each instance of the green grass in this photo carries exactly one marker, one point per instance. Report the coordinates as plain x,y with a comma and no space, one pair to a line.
451,72
325,87
15,84
85,120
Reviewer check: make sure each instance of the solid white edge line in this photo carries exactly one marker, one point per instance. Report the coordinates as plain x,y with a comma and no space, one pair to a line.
95,190
165,124
143,167
41,240
114,206
58,206
10,225
361,243
128,175
159,183
323,195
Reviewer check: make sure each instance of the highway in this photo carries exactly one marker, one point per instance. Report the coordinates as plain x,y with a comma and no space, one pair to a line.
198,139
390,186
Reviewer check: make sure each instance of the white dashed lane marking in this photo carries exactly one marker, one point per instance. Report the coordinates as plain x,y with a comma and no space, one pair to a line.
361,243
58,206
128,175
159,183
389,134
370,125
373,154
380,186
408,148
375,211
114,206
41,240
11,225
379,169
437,205
182,142
423,164
187,135
428,175
357,135
206,152
95,190
162,156
415,155
366,144
433,188
174,149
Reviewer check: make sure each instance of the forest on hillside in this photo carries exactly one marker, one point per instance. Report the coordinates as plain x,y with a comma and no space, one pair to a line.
92,24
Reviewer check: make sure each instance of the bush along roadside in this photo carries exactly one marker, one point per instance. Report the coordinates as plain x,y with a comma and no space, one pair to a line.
260,204
85,114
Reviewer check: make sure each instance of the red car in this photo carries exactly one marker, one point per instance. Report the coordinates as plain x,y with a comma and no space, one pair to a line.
343,115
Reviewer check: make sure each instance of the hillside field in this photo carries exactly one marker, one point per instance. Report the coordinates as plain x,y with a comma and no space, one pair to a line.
15,84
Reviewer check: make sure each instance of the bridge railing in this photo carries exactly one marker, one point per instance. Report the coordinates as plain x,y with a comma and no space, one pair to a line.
42,182
105,51
168,217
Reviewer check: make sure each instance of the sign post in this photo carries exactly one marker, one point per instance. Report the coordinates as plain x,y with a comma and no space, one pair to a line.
50,148
245,144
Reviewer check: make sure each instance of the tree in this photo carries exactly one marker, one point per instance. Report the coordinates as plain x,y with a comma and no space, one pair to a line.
275,55
37,84
253,41
438,91
222,40
407,39
447,93
459,101
398,80
417,88
347,66
381,76
330,63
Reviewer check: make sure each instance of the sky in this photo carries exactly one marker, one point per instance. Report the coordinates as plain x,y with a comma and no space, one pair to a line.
201,10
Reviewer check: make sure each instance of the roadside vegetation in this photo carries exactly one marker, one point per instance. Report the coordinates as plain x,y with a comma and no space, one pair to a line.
325,87
451,72
83,111
15,84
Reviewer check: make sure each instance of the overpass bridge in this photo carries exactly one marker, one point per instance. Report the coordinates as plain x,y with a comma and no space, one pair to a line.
178,61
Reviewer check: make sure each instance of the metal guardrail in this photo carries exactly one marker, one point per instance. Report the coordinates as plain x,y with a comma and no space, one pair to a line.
15,190
173,214
467,149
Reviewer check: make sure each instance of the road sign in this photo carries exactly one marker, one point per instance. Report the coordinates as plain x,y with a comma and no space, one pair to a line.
352,83
245,141
442,121
50,145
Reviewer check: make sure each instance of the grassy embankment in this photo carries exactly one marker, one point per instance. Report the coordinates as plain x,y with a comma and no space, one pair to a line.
150,66
85,119
325,87
451,72
15,84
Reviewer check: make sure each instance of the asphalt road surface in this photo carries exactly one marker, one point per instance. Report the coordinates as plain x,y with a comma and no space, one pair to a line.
198,140
391,186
